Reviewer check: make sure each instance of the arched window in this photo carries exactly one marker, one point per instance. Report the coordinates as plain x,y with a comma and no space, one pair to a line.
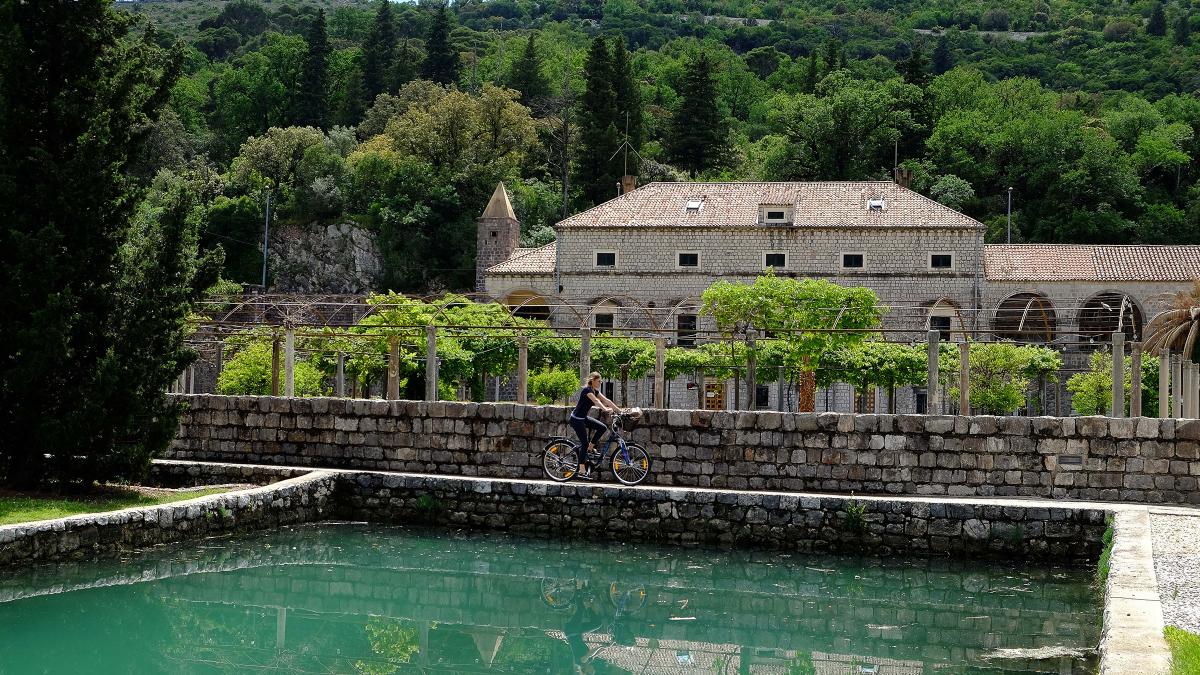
528,305
1106,313
944,317
1025,317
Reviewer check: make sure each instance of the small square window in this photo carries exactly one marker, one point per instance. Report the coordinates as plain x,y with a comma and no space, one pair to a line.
942,325
604,321
694,204
688,259
778,260
606,258
493,233
941,261
852,261
762,396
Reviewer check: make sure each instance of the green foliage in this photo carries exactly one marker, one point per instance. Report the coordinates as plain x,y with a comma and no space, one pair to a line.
699,128
875,363
249,373
553,386
1091,390
99,286
1001,373
1185,650
527,76
394,642
379,51
441,63
312,104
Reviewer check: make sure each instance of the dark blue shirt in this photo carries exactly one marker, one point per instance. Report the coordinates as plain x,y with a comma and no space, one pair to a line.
585,402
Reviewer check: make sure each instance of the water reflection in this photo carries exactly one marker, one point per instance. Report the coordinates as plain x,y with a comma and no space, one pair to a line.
364,599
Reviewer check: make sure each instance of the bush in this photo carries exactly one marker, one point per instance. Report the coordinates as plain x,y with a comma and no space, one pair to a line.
553,385
249,373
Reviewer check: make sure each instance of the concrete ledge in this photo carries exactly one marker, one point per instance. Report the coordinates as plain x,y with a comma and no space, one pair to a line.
1133,639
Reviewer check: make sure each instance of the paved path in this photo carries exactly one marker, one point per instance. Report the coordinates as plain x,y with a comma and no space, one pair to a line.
1176,537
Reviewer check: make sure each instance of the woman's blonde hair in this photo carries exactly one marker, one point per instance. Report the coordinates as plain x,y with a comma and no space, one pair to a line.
593,376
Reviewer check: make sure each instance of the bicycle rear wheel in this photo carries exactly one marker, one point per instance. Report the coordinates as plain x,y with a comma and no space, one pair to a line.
560,461
633,470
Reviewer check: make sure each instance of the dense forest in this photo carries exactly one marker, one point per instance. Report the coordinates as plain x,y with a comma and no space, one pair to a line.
400,117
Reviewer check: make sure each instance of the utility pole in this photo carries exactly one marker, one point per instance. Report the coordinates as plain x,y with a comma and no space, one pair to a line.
1009,228
266,241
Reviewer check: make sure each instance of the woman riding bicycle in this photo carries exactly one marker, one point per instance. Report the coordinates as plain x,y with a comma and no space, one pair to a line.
590,396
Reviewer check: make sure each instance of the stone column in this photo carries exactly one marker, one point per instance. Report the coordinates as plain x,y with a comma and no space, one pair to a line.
699,389
1135,380
523,370
275,365
289,363
751,378
585,353
1118,375
220,357
1164,383
431,364
1176,366
782,386
660,372
934,342
340,377
964,378
393,375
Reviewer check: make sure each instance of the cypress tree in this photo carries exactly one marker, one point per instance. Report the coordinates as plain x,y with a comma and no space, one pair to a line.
378,53
527,76
912,69
598,135
441,61
313,99
1183,30
628,102
96,292
812,74
1158,21
943,60
833,50
698,130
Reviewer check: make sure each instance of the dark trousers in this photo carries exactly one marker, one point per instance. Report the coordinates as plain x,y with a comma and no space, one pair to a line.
581,427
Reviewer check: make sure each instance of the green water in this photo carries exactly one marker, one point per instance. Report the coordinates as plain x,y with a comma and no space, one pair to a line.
367,599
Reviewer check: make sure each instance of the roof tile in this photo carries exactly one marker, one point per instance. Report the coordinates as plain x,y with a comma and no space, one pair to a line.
528,261
1080,262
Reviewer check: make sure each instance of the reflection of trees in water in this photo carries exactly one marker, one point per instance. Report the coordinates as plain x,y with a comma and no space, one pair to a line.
392,640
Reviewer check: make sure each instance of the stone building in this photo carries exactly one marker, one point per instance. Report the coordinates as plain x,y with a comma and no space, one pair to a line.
643,259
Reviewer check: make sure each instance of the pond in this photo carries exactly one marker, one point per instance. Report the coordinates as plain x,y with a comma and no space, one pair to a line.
352,598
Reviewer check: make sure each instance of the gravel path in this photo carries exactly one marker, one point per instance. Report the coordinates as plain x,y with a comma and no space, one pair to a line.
1177,567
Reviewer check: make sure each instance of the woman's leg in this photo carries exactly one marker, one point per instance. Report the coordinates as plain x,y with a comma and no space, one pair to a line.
598,429
581,431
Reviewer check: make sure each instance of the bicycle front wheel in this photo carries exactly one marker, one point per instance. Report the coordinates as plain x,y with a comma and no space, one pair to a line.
560,461
635,468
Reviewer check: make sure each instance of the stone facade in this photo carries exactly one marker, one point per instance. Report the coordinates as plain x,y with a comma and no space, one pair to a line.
1133,460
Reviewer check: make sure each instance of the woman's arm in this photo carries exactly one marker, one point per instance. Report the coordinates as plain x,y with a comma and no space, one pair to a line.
612,407
599,402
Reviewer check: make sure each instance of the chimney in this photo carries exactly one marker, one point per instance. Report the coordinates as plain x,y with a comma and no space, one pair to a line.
904,177
628,183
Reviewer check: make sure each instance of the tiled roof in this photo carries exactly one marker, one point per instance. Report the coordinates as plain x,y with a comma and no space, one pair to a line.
826,204
527,261
1071,262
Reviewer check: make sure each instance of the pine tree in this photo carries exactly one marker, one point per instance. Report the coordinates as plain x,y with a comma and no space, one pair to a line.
628,103
96,292
833,51
1158,21
943,59
527,76
312,100
378,53
598,134
1183,30
441,61
912,69
812,74
698,130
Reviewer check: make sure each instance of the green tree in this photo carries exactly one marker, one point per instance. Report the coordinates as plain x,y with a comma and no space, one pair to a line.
598,133
312,107
1001,373
379,53
875,363
943,58
527,76
99,288
699,129
1157,25
1091,390
811,74
628,112
553,386
1183,29
248,373
914,68
442,62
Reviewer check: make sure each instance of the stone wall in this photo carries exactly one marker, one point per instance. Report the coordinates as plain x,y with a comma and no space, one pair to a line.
1136,460
803,523
297,500
170,474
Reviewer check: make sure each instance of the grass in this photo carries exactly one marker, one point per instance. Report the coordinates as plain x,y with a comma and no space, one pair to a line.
1185,651
1105,554
18,507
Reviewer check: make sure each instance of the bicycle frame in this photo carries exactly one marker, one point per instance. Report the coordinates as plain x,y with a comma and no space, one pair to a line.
607,451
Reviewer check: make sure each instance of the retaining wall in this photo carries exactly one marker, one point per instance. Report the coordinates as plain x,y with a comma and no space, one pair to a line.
298,500
1093,458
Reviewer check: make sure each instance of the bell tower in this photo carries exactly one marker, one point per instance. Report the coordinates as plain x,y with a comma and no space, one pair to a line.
498,234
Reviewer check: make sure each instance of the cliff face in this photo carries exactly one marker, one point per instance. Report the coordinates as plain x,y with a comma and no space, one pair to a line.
340,258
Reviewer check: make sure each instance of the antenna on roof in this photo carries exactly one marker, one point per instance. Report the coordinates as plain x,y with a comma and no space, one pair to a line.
627,182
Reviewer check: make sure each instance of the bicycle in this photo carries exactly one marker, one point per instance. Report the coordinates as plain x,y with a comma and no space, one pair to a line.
630,462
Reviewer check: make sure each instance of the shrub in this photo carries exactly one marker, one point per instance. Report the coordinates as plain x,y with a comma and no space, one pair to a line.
553,385
249,373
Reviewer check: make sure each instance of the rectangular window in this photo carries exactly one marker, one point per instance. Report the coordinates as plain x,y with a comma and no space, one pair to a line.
941,261
606,258
687,259
686,325
774,259
852,261
942,325
608,390
604,321
775,215
762,396
920,402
